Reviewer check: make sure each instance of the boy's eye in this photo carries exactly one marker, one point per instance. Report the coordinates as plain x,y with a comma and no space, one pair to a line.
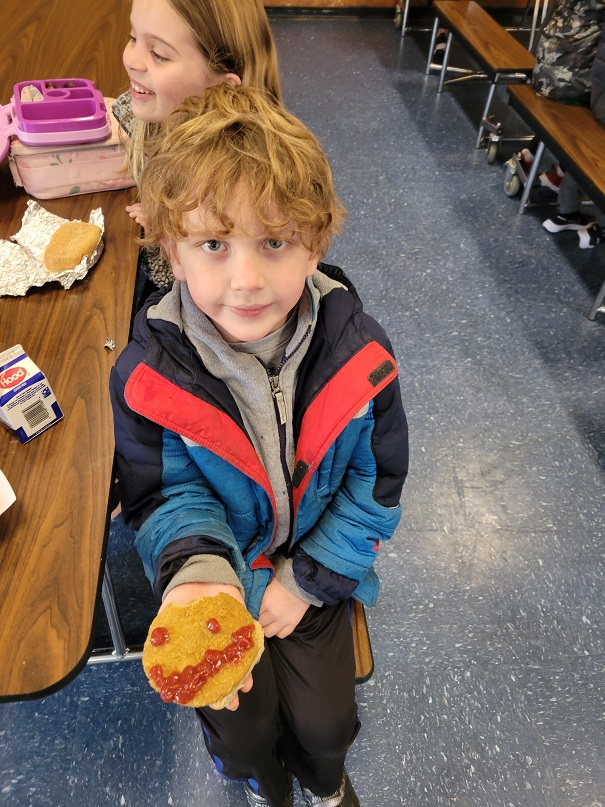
213,245
275,243
131,39
158,58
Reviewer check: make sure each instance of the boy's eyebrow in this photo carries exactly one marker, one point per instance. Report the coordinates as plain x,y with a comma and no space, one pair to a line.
206,232
284,232
280,233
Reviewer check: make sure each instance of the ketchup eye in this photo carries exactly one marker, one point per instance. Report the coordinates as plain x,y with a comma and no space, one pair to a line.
213,626
159,636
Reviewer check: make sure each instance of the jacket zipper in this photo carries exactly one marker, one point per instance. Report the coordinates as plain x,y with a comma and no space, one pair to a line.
279,402
280,411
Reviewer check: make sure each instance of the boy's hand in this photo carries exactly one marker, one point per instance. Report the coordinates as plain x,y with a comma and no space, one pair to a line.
135,212
187,592
280,610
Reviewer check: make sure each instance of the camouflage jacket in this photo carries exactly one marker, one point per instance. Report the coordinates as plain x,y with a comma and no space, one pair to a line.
122,111
597,76
566,50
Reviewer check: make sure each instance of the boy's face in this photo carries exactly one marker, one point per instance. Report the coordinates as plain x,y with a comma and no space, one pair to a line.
163,61
246,282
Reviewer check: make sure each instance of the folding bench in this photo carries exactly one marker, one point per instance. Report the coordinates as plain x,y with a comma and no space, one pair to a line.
574,137
502,59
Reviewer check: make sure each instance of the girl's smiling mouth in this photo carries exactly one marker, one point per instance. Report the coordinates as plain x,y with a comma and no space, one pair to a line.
139,89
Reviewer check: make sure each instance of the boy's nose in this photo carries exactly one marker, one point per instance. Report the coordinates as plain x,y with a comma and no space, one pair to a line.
246,275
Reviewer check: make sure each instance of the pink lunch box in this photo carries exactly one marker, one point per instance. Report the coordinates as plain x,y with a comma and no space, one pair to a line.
65,142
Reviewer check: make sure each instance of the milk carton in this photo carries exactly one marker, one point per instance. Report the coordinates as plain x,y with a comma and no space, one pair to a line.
27,403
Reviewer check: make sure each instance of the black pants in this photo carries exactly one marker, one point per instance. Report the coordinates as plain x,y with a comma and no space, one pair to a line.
300,713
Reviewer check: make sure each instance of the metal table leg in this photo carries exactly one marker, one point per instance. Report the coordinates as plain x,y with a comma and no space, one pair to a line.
111,610
432,46
120,651
531,177
596,306
446,59
488,103
404,23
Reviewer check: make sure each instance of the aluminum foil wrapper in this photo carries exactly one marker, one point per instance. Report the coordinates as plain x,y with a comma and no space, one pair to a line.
22,259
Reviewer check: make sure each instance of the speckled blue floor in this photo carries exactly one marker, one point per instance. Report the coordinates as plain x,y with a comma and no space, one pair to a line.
489,637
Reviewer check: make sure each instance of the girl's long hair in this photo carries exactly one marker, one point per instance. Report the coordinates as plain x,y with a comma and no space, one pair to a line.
233,36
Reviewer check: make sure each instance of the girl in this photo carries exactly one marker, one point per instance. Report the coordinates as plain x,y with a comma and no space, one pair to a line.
176,49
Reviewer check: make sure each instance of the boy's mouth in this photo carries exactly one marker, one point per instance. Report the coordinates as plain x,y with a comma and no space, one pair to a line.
140,90
248,310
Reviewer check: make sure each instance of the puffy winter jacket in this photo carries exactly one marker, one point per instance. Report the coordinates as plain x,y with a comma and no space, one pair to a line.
191,482
597,75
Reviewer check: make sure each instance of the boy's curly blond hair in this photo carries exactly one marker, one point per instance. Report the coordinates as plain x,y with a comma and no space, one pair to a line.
231,136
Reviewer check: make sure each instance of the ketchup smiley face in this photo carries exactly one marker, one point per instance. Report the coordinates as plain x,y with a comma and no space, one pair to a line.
182,685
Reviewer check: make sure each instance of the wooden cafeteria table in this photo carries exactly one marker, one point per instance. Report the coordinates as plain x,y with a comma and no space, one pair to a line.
53,539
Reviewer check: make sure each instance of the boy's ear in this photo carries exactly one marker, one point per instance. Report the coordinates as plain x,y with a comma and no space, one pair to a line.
170,249
312,264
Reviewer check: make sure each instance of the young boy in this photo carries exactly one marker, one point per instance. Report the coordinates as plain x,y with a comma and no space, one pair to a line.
261,439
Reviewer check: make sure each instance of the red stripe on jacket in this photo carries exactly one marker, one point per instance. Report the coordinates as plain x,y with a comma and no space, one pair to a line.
153,396
334,407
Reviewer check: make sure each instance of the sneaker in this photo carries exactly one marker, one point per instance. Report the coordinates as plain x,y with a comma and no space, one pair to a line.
256,800
591,236
345,796
525,159
567,221
552,178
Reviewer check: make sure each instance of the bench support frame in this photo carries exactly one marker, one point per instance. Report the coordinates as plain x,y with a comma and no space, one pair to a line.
446,68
